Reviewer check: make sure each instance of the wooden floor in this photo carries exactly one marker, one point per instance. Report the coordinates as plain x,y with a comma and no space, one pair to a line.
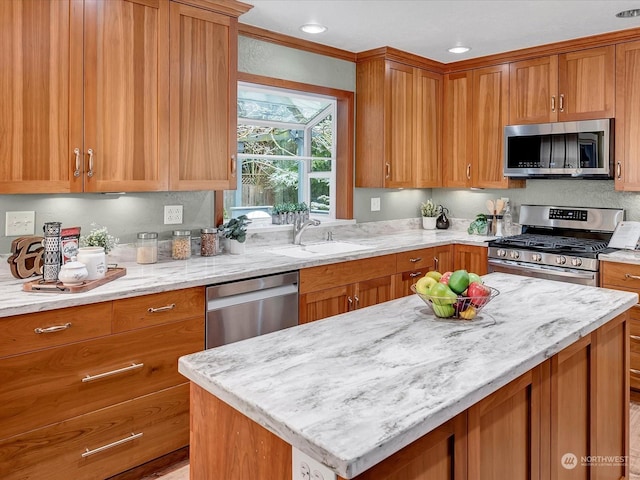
180,471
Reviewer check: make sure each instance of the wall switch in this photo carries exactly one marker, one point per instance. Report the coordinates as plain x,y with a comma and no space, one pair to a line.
306,468
172,214
19,223
375,204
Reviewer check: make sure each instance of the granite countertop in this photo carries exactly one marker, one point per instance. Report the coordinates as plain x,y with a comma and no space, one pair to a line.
198,271
351,390
622,256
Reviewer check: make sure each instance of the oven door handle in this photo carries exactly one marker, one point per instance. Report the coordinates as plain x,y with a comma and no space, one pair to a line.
542,269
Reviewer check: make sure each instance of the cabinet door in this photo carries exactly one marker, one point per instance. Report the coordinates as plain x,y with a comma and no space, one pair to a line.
533,93
325,303
126,70
457,145
428,125
400,125
627,151
203,99
443,258
490,115
471,258
40,66
372,292
586,84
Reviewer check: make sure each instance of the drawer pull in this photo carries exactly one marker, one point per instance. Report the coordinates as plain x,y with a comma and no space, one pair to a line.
634,337
130,438
634,371
414,260
415,274
55,328
133,366
166,308
635,277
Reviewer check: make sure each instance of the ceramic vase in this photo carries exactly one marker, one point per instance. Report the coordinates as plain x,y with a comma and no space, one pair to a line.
235,247
429,223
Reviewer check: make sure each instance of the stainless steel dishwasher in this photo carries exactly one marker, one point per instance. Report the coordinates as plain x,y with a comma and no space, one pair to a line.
247,308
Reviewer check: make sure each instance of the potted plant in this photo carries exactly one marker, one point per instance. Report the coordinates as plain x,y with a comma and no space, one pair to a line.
235,231
429,212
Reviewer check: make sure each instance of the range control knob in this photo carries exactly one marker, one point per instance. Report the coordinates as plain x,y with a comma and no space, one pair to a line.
536,257
501,252
514,254
561,260
576,262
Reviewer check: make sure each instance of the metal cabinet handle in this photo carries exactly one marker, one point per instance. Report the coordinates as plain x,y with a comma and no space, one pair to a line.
357,300
133,366
90,172
350,301
634,277
634,371
436,261
130,438
233,165
562,102
161,309
468,171
55,328
76,153
388,166
634,337
415,260
619,169
415,274
553,103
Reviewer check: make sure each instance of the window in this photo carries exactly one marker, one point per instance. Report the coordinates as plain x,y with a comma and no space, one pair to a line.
286,152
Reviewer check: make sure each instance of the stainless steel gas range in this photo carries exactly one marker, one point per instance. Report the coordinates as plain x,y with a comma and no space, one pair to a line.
557,243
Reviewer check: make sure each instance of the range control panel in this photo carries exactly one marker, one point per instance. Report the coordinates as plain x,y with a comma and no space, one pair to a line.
568,214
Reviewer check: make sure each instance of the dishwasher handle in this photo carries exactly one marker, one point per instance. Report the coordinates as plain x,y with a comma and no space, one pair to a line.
255,296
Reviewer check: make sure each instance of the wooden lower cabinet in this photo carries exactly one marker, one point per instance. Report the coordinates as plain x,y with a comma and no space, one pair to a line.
570,409
471,258
73,449
412,265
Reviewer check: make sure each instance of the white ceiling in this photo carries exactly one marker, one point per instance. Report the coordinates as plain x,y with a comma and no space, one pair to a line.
429,27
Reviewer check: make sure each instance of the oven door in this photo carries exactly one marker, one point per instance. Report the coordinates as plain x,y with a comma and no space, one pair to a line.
569,275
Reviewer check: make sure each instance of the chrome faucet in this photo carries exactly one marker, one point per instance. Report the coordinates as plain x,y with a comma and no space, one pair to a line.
299,227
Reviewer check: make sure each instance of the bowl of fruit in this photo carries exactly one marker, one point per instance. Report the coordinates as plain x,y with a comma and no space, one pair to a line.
458,294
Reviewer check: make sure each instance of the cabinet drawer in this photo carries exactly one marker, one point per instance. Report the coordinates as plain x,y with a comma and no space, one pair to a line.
157,309
422,259
622,275
327,276
56,451
49,386
34,331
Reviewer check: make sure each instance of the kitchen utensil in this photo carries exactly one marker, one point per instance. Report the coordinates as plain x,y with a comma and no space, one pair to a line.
491,207
499,206
51,251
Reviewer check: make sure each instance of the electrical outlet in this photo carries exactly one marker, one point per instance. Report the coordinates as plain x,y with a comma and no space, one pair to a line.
19,223
306,468
375,204
172,214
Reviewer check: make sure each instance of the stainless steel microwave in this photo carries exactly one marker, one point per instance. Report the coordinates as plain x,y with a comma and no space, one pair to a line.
561,149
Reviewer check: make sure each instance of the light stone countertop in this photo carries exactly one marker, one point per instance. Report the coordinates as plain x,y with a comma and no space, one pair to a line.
622,256
383,238
351,390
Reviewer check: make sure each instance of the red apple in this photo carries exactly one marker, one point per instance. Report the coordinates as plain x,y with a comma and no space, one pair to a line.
480,294
445,278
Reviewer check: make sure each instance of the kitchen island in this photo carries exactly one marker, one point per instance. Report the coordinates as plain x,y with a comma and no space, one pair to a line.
540,373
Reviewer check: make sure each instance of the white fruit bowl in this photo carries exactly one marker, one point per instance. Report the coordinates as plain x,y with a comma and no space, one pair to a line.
464,308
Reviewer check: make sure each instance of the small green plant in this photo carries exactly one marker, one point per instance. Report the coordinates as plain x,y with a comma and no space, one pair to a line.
479,225
99,237
235,228
429,209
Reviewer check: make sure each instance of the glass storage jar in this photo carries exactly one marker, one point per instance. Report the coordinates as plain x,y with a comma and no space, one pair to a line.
181,245
208,242
147,247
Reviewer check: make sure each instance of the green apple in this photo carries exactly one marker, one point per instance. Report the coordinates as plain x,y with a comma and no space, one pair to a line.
459,281
434,274
474,277
443,311
424,284
441,294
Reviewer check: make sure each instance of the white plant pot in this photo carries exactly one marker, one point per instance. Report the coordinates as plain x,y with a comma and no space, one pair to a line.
235,247
429,223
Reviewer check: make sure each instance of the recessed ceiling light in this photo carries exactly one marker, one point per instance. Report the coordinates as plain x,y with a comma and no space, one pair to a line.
313,28
459,49
629,13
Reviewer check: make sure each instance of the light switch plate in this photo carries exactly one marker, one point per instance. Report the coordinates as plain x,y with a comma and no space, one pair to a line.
306,468
19,223
375,204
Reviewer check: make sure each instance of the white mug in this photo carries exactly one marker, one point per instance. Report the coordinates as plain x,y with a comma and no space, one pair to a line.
95,260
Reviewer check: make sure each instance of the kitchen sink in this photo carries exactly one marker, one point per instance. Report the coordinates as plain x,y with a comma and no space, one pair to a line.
319,249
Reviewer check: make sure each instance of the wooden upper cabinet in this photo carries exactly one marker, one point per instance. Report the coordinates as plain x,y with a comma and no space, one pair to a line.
627,149
457,145
398,111
35,89
490,115
571,86
203,99
126,96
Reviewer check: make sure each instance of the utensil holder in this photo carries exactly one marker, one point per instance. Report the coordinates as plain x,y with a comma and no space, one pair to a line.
51,254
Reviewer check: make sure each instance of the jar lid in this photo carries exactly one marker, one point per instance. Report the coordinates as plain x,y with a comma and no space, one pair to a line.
209,230
147,235
182,233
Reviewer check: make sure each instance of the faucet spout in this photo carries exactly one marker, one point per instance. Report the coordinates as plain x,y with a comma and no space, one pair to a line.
299,227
